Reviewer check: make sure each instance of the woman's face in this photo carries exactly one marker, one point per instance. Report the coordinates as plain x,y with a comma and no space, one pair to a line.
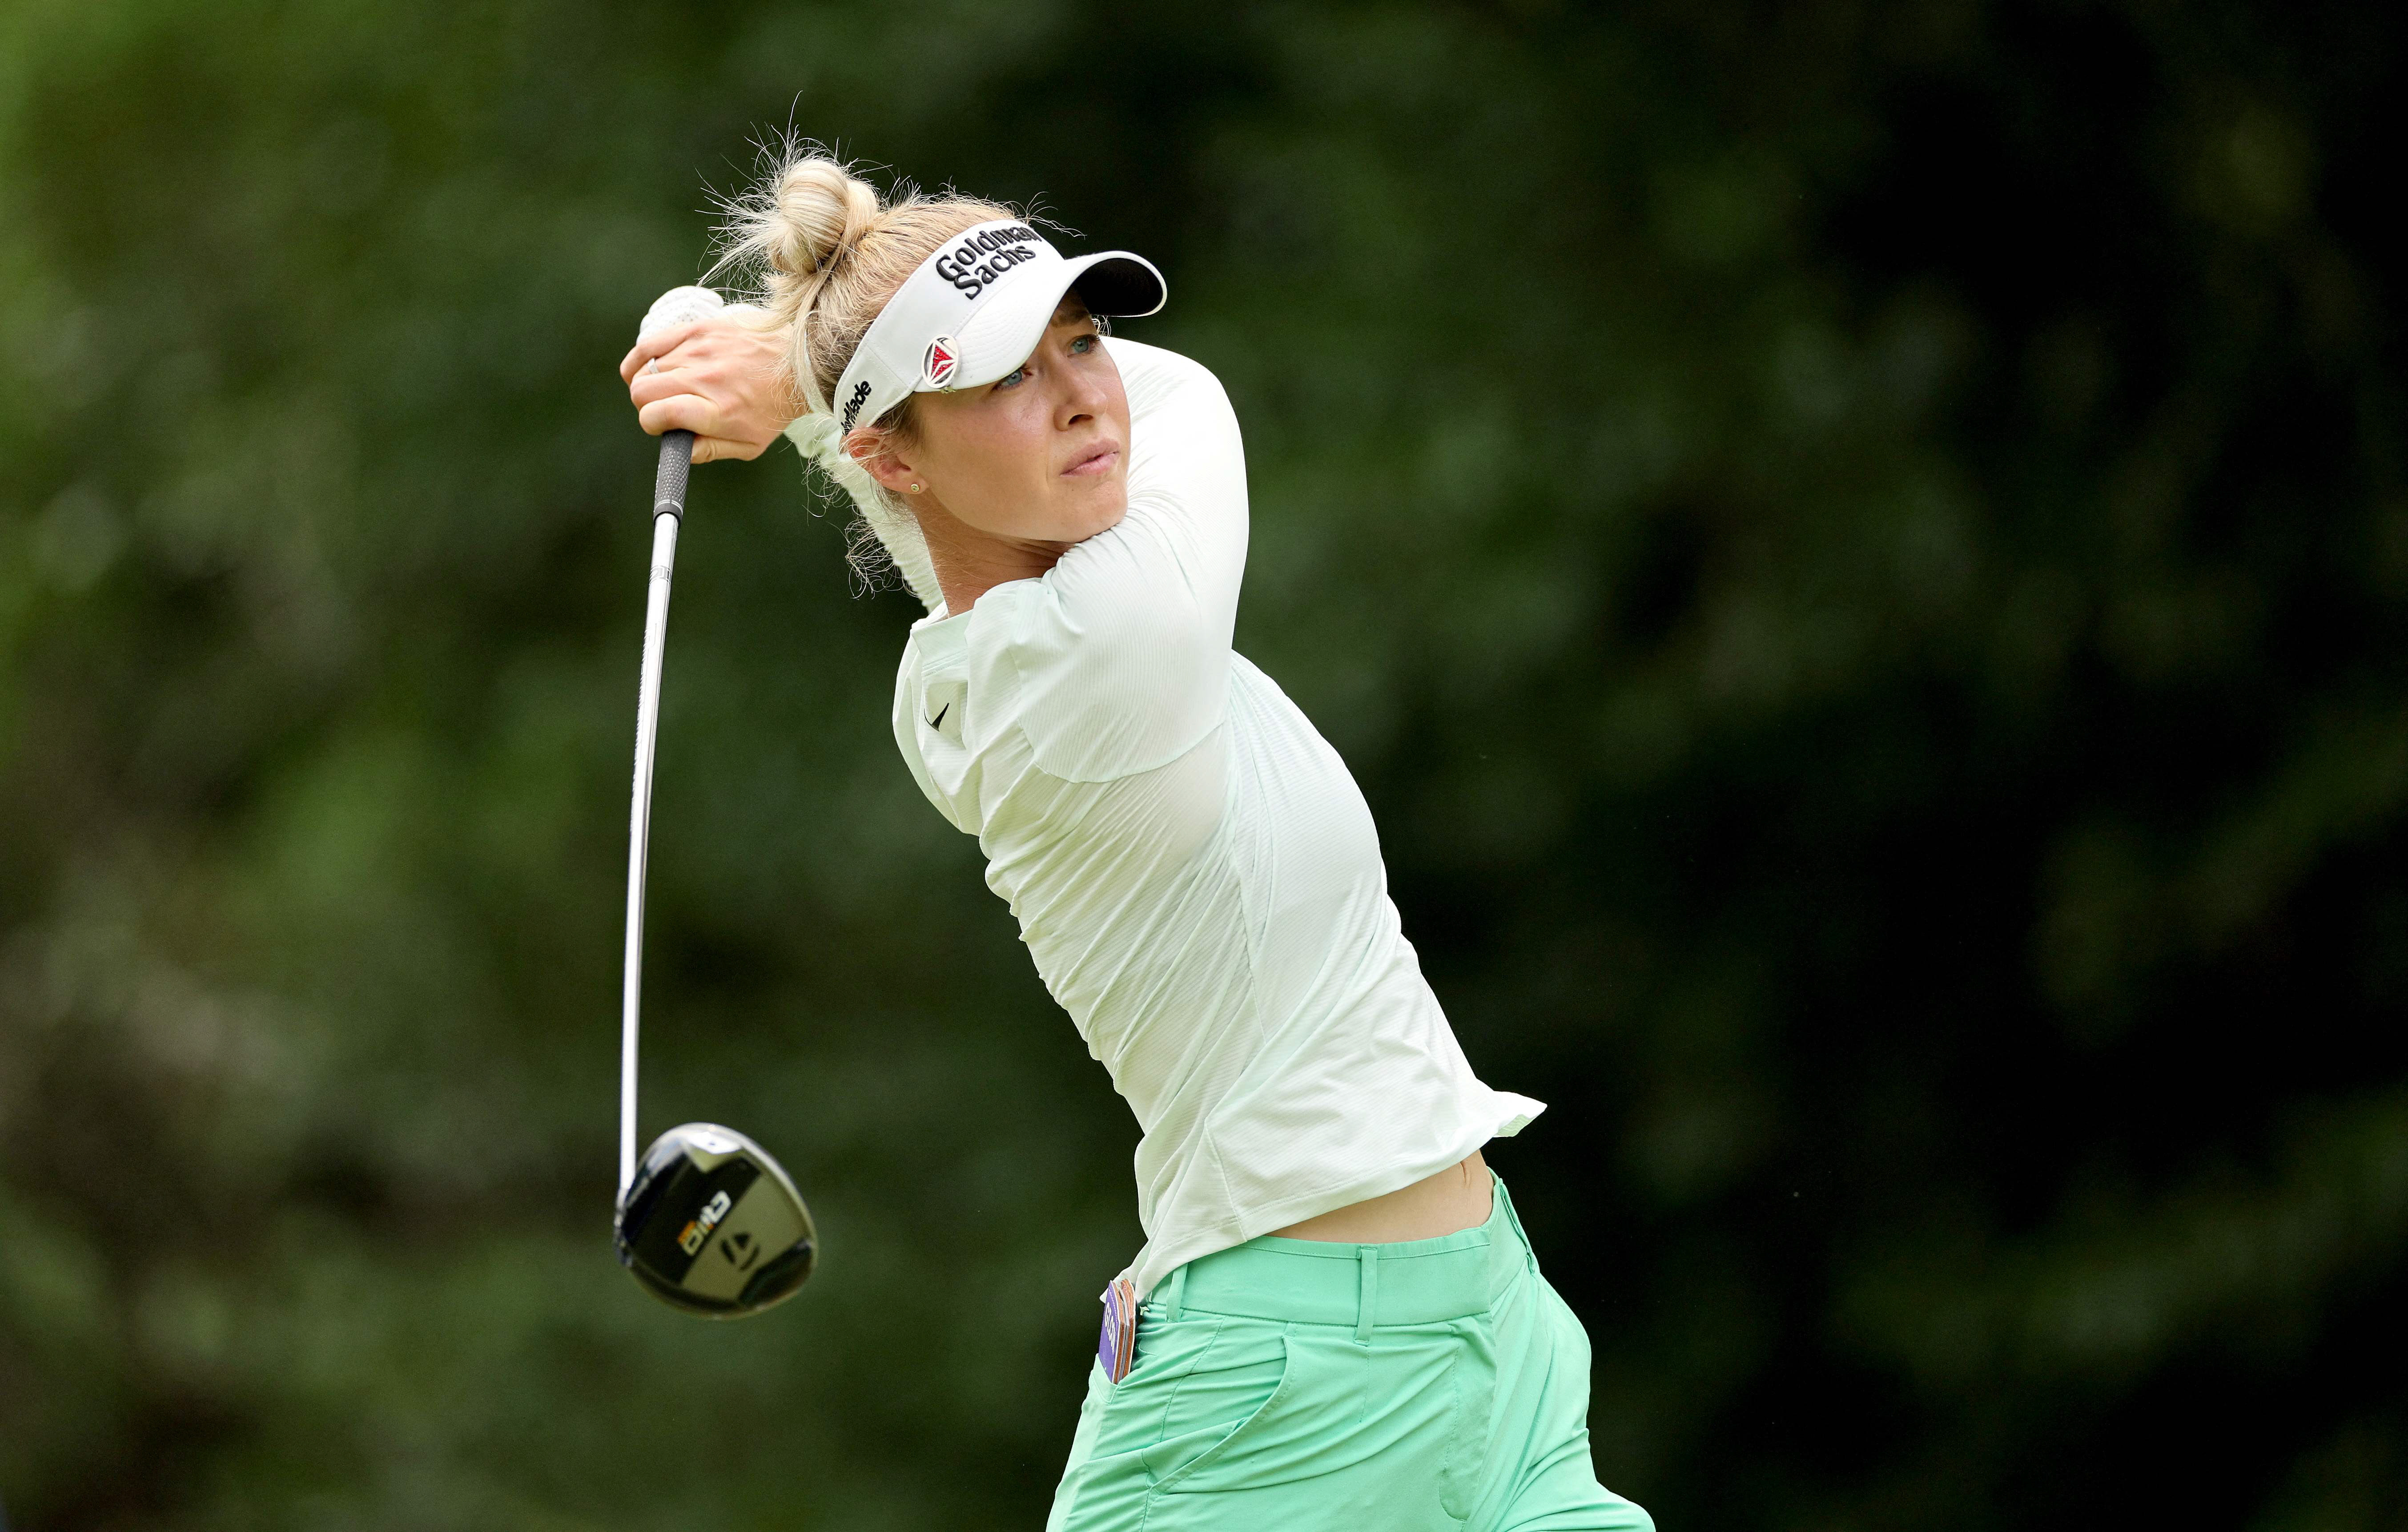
1039,457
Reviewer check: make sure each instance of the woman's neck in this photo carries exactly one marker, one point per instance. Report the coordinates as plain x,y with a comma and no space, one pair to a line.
969,563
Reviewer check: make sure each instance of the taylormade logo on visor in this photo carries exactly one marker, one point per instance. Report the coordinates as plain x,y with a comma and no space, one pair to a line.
975,264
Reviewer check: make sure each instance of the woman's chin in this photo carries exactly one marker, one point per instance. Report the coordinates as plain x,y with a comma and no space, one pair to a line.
1104,507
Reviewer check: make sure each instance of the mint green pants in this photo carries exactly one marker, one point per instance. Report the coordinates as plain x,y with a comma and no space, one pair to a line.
1288,1385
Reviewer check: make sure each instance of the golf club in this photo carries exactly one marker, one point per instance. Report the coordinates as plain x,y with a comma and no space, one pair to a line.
708,1223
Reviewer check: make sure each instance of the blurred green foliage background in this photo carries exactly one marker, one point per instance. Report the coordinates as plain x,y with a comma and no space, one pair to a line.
1858,549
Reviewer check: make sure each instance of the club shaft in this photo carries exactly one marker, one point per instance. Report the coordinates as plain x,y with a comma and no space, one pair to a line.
668,510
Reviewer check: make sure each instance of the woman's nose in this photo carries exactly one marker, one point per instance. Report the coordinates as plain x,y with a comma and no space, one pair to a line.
1081,400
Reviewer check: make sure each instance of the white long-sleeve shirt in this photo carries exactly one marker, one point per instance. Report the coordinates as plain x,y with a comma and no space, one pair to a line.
1193,867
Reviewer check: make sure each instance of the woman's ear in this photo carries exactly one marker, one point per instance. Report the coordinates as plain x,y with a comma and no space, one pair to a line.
874,451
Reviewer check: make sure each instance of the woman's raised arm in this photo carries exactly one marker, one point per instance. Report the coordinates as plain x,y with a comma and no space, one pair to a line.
1123,648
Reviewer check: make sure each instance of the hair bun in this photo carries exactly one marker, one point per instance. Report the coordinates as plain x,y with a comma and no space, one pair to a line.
821,211
828,251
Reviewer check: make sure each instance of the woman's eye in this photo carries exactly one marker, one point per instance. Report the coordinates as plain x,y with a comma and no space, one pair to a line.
1012,379
1082,345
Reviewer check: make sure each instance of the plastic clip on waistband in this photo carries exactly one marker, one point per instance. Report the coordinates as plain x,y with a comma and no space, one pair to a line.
1116,1348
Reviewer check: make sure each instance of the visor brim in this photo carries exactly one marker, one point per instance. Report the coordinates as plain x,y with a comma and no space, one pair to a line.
1113,284
1116,284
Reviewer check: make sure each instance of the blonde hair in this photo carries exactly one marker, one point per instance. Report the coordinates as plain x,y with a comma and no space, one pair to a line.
829,251
824,252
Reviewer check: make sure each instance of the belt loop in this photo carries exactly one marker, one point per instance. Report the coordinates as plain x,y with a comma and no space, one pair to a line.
1177,1296
1529,1256
1366,1307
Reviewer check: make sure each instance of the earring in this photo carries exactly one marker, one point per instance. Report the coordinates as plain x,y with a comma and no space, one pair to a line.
915,487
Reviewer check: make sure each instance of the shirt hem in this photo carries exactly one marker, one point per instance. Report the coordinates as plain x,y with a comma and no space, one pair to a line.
1515,1113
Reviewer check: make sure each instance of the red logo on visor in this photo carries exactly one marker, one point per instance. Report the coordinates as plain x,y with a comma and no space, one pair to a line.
943,358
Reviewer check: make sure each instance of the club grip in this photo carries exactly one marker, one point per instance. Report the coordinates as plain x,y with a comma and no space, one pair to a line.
677,462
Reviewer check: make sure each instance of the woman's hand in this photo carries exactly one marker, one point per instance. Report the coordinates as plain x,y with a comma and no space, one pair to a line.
717,379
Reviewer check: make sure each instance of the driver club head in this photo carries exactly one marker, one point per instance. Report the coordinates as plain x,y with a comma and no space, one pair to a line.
711,1225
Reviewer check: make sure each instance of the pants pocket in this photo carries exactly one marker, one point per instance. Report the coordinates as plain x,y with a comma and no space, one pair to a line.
1224,1396
1371,1431
1472,1377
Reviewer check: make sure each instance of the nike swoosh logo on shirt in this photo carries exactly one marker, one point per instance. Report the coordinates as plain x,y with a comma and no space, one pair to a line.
939,720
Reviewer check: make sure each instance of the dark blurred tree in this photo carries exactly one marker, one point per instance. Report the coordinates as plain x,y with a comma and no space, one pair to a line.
1859,551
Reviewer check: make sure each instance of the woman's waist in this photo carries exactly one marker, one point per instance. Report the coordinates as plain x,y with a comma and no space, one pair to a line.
1315,1282
1448,1202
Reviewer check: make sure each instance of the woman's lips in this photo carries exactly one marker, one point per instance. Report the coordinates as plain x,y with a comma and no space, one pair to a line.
1094,463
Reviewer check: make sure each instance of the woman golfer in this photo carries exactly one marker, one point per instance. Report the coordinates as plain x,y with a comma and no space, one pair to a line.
1336,1322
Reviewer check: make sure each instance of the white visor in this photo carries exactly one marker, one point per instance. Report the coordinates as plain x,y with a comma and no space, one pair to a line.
974,312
